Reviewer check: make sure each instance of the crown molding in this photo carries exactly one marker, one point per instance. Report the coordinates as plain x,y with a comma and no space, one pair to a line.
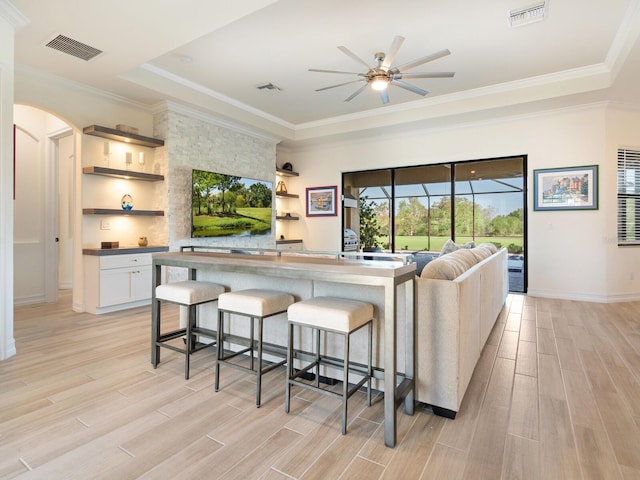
412,130
215,95
625,38
83,87
502,88
212,119
12,15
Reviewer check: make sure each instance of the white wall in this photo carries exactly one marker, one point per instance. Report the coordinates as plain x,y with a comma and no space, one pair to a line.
7,342
66,232
571,254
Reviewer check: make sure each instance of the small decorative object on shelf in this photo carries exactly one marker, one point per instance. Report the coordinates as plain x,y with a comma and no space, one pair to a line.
288,167
107,152
281,188
128,159
142,241
109,244
141,160
127,202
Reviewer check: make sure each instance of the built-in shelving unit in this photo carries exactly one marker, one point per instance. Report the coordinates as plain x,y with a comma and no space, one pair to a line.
294,244
120,136
124,174
133,139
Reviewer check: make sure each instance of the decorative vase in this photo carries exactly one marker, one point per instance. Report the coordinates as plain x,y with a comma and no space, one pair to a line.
142,241
281,187
127,202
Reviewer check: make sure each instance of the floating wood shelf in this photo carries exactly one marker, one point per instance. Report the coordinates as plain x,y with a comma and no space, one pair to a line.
125,174
285,217
120,136
287,195
286,173
121,212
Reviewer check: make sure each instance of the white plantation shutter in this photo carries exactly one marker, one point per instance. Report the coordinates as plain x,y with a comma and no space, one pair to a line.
628,197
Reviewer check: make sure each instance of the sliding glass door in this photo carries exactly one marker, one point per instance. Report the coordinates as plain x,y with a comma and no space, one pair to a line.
419,208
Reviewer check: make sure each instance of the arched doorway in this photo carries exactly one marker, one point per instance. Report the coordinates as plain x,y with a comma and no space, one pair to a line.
43,213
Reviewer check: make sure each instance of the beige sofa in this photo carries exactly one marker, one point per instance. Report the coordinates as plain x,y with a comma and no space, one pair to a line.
457,303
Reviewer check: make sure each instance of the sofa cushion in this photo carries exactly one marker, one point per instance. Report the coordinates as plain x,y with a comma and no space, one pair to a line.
466,257
422,259
491,246
481,253
444,268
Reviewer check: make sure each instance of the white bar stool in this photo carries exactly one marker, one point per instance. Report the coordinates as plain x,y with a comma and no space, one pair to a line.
188,293
336,315
256,304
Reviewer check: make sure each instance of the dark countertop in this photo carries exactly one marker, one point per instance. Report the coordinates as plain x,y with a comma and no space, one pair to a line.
124,250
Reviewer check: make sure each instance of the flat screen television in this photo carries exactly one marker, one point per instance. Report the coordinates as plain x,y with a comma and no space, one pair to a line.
226,205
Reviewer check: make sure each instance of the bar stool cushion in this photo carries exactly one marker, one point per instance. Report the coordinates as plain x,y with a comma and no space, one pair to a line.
331,313
189,292
255,302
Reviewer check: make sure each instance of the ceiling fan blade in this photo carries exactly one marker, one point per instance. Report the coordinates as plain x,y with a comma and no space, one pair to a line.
425,75
356,93
420,61
339,85
408,86
393,50
333,71
349,53
384,96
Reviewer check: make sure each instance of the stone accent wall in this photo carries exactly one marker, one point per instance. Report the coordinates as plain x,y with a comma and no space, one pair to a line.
195,143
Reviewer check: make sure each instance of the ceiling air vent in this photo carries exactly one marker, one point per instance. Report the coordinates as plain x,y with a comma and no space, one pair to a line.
529,14
73,47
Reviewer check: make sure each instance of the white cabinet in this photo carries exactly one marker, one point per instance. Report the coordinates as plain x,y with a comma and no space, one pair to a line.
116,282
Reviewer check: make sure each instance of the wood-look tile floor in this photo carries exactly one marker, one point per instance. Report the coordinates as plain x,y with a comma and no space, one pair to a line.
556,394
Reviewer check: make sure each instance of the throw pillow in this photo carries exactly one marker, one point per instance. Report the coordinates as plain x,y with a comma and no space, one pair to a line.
448,247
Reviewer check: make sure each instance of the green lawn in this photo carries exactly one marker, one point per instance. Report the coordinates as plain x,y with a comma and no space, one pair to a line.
254,220
422,243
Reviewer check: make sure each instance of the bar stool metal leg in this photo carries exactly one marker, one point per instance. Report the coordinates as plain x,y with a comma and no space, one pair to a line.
330,315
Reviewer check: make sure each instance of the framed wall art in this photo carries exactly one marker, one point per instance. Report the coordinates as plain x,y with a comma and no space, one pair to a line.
321,201
572,188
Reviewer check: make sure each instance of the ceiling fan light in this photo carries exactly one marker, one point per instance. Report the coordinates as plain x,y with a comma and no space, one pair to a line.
379,83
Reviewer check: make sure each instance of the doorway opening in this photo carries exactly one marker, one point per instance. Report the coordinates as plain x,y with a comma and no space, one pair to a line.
43,207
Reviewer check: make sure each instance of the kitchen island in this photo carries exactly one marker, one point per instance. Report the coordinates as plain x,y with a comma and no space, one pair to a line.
312,274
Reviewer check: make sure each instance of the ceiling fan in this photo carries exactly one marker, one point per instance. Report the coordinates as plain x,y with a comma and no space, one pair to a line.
383,74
